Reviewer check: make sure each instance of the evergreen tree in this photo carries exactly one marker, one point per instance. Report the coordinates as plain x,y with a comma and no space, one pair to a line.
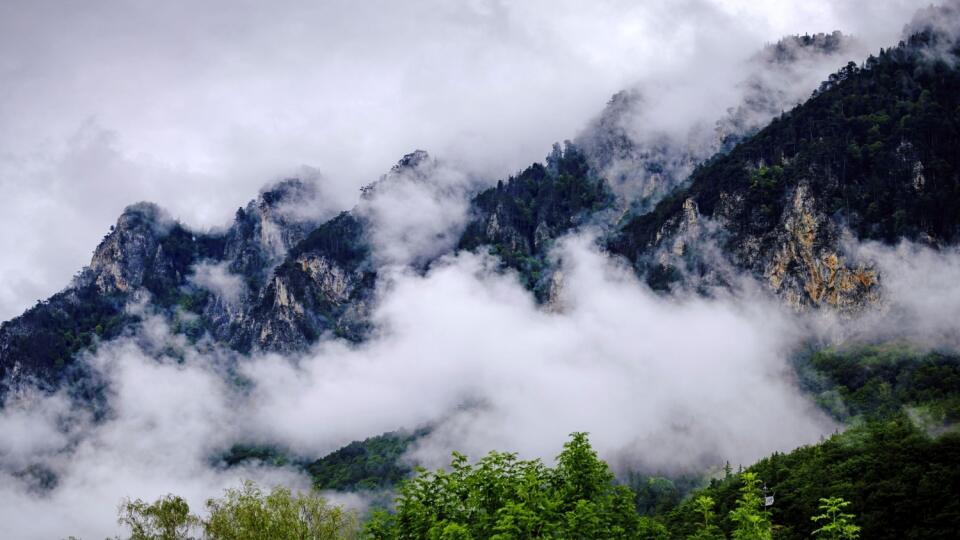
837,525
753,523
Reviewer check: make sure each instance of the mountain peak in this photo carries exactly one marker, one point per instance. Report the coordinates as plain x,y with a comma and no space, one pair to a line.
120,260
286,191
413,160
412,165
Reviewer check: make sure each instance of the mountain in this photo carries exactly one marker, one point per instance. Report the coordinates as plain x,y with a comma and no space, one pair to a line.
872,154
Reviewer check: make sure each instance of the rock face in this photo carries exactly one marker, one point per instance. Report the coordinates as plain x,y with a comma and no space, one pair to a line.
147,253
264,231
808,270
125,255
324,284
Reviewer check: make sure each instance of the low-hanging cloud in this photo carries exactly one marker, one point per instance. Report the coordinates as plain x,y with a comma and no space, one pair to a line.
217,279
920,288
618,362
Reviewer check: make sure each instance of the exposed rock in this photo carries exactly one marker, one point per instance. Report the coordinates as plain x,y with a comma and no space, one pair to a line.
807,268
122,258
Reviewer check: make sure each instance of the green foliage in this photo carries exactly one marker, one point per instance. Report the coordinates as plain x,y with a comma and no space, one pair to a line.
246,513
878,381
899,480
650,529
46,338
168,518
752,521
262,453
659,494
837,525
895,469
374,463
707,530
342,239
502,497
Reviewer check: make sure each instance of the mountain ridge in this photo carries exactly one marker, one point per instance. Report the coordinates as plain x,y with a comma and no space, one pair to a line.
278,279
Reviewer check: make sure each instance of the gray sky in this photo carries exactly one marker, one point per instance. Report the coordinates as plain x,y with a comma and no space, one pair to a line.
192,106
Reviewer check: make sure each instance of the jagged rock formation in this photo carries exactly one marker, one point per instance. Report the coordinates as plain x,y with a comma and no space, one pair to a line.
873,153
148,252
324,284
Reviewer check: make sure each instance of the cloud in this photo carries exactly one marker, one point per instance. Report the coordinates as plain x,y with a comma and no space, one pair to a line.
417,212
217,279
167,419
921,292
466,347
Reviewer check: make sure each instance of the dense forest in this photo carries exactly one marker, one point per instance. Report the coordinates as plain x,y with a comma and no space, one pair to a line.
884,477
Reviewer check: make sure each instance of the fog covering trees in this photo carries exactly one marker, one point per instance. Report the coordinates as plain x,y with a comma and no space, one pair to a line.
500,497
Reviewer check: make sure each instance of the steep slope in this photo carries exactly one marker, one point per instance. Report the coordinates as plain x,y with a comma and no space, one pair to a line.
644,157
874,151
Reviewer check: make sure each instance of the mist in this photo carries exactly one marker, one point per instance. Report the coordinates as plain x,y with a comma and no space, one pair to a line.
664,384
463,348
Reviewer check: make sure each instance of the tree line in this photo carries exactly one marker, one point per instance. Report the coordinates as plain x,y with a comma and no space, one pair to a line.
500,497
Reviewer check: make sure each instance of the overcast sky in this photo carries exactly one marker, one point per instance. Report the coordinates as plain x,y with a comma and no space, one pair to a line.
195,107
